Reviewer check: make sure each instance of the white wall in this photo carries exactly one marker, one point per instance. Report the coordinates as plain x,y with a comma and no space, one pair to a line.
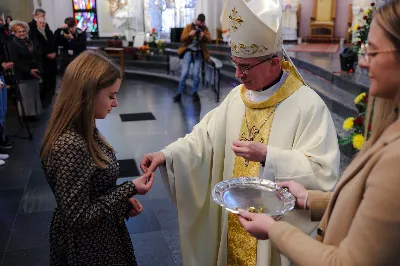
17,9
57,11
106,28
212,9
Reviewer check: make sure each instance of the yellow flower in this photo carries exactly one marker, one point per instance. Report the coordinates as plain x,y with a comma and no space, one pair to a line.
356,27
358,141
360,97
366,12
348,123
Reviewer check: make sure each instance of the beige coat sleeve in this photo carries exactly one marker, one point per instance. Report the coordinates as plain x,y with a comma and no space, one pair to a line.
373,238
318,201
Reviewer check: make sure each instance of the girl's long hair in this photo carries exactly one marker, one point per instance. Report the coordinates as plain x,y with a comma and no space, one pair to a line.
85,76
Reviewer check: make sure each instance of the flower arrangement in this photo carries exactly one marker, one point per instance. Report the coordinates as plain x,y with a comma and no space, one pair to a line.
153,34
361,29
356,125
144,50
161,45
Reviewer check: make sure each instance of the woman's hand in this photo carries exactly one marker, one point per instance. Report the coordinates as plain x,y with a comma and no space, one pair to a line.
7,66
144,183
34,73
250,150
256,224
298,191
51,56
137,208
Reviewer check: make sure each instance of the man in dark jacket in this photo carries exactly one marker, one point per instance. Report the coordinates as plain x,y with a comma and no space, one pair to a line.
194,40
39,13
46,41
72,40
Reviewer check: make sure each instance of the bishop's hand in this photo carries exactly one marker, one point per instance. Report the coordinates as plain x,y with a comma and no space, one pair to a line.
250,150
150,162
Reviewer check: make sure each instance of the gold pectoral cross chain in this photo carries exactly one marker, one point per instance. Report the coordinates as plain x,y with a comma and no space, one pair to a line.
253,131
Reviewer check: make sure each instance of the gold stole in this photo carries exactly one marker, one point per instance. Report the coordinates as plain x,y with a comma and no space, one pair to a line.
242,248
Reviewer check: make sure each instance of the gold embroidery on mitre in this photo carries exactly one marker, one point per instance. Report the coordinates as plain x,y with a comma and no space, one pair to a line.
242,248
248,49
235,19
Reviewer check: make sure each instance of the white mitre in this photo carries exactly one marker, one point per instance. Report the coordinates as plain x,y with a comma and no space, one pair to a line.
255,27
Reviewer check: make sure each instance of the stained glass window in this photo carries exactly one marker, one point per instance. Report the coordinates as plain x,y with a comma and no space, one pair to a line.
86,21
84,4
85,15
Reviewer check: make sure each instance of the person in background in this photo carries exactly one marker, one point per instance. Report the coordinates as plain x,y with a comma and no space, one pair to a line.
359,221
194,40
7,25
72,40
39,13
81,168
23,53
3,31
4,144
47,42
272,126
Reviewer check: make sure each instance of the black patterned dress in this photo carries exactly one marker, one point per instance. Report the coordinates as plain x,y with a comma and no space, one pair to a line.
88,224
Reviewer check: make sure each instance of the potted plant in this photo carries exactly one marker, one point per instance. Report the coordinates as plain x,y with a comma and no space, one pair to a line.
355,126
161,46
361,29
153,38
144,51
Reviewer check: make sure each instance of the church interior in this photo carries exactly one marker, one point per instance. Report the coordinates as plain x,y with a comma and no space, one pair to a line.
321,38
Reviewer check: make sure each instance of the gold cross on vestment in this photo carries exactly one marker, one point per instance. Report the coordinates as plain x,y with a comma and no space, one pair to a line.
235,19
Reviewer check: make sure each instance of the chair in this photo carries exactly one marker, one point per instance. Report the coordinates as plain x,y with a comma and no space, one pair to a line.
349,24
218,35
322,24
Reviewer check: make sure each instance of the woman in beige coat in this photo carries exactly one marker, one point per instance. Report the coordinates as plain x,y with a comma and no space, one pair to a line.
361,220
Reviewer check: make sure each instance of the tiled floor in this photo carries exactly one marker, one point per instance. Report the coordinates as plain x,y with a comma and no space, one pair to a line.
26,201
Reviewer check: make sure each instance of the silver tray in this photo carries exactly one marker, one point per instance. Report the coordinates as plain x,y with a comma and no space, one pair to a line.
254,194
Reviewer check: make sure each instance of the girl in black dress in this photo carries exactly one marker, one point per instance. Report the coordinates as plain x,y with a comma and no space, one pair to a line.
80,165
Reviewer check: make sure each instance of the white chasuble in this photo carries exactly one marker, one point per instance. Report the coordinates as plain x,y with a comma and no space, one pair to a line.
302,146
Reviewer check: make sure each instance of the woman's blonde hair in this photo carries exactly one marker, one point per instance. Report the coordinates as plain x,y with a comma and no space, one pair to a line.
381,113
85,76
16,23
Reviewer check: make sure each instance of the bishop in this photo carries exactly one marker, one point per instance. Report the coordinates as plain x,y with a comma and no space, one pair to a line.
271,126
